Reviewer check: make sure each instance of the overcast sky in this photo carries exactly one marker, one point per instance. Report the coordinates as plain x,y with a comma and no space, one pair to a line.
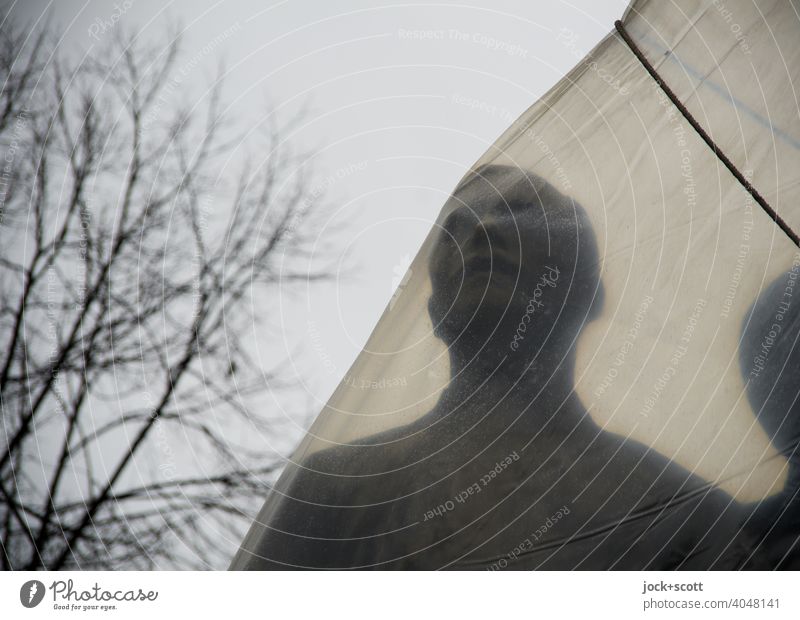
401,99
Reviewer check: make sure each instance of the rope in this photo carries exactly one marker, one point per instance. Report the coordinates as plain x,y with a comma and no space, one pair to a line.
706,138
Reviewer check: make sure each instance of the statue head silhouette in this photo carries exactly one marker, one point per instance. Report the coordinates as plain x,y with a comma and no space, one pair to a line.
515,269
769,359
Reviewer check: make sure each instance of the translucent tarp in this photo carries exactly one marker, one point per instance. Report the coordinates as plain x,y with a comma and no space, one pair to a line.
591,362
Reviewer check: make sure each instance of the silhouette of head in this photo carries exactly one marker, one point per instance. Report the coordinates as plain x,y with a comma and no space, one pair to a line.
769,359
514,257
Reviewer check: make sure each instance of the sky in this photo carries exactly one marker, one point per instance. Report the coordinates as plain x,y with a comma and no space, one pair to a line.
396,101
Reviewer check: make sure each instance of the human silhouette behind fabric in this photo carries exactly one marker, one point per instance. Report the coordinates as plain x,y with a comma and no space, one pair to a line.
770,364
508,469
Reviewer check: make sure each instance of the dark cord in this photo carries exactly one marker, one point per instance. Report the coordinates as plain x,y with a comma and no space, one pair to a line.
706,138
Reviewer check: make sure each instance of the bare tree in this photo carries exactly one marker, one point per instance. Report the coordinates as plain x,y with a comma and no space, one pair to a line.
132,258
